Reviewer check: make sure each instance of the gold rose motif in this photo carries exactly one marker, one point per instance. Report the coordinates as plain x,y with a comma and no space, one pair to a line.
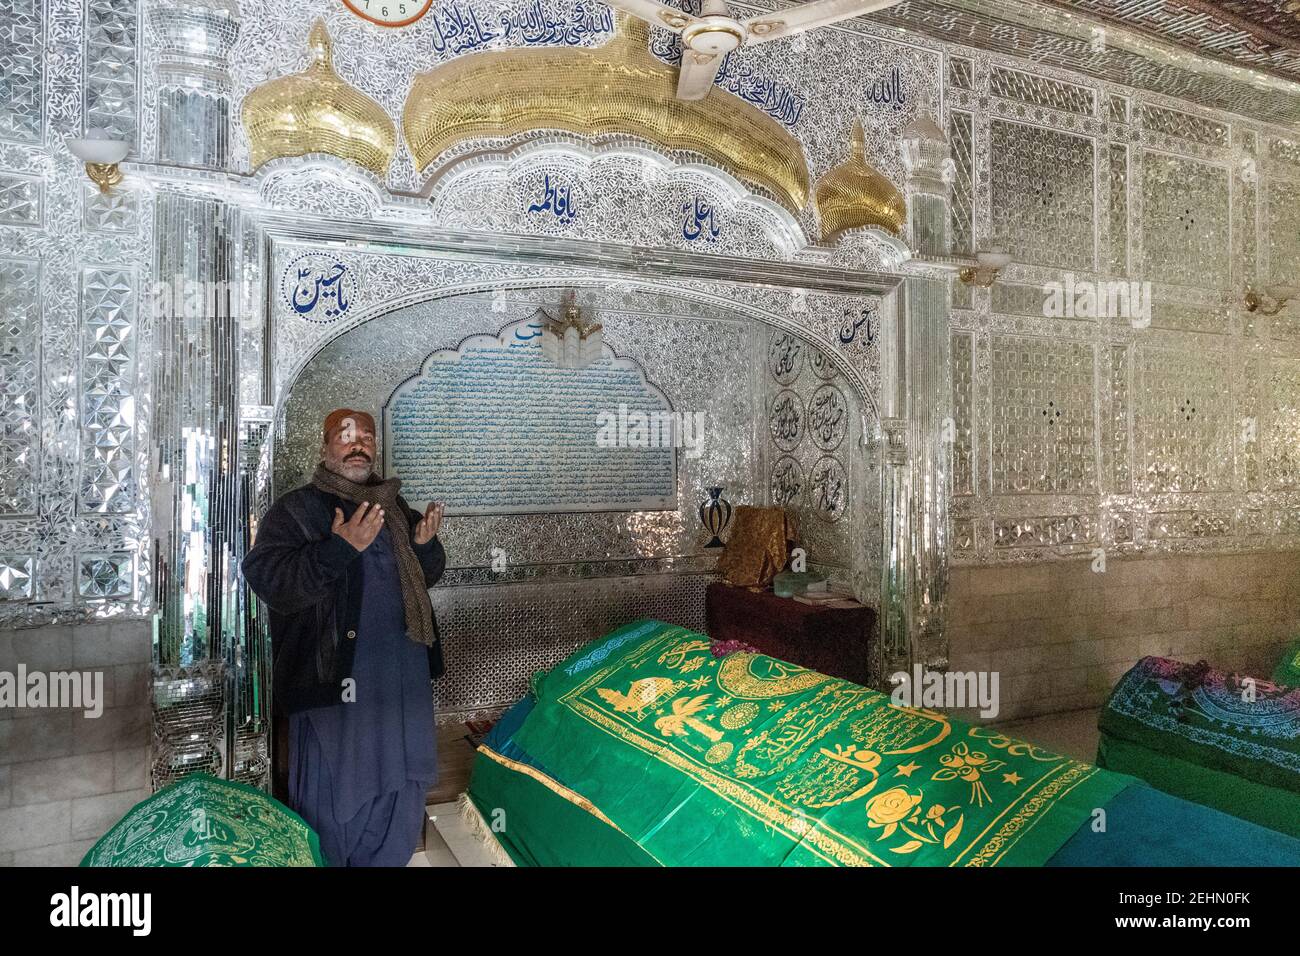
894,809
889,807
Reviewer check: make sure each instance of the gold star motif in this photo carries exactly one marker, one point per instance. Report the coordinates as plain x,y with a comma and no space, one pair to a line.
907,769
1011,778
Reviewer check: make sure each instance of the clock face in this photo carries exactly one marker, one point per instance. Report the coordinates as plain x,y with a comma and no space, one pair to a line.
389,13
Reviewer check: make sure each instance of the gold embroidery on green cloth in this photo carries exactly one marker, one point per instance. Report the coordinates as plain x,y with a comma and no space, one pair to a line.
835,769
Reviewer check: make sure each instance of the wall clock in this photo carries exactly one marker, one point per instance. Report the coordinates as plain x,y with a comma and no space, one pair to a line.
389,13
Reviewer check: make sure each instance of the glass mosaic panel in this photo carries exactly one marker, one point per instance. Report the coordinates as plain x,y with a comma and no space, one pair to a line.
112,28
20,366
1285,150
1189,524
105,577
1117,109
1042,195
1184,221
1045,531
16,577
1188,318
20,200
1169,122
1284,232
21,70
118,211
1009,298
961,141
962,296
961,73
107,392
1282,433
1043,437
1183,420
1117,156
1041,91
1246,230
488,667
1249,402
963,413
1121,407
963,534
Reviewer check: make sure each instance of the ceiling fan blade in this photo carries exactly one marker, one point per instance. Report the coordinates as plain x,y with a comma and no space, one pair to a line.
695,78
805,16
656,14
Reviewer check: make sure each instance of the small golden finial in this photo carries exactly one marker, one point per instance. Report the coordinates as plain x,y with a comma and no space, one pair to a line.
859,141
320,45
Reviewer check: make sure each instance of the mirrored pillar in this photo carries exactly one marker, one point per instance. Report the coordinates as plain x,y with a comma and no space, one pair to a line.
202,635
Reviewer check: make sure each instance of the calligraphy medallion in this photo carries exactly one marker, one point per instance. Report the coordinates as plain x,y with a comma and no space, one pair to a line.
319,287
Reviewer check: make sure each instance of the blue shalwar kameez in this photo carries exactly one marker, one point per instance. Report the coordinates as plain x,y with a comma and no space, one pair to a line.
359,771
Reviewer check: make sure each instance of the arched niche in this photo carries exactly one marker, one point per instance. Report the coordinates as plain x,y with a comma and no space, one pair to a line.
566,575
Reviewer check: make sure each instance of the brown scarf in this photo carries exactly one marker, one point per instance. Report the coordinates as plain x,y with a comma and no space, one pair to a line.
415,596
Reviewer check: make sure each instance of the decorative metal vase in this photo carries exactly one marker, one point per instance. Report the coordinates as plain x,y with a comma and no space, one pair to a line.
715,515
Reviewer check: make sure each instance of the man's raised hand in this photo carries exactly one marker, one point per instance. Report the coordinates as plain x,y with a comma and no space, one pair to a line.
362,528
428,526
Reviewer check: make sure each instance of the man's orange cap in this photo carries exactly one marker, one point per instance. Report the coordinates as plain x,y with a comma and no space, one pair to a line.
335,418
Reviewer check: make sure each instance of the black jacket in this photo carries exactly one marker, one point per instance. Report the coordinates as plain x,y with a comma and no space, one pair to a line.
310,579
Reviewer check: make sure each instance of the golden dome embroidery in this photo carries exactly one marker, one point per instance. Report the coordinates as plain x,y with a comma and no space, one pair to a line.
855,195
315,111
615,88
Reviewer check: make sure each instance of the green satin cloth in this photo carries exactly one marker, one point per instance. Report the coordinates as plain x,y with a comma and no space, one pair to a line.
203,821
748,760
1287,671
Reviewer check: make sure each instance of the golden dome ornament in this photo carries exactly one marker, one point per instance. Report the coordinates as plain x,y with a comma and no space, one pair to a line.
616,88
855,195
316,111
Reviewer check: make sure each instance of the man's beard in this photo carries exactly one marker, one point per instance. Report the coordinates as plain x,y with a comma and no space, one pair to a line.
350,467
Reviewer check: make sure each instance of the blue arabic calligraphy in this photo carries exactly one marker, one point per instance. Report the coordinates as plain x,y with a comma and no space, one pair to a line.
458,31
700,222
775,99
888,91
557,200
327,289
535,25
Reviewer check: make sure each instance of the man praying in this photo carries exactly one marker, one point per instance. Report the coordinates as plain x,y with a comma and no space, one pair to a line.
344,565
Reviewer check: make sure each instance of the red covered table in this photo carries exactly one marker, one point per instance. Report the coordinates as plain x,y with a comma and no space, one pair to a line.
830,640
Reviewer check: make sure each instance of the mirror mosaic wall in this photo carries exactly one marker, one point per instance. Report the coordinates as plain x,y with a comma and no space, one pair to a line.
136,434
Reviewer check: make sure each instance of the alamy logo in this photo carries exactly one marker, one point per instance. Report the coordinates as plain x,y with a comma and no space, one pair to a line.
946,690
102,909
1086,299
632,428
72,689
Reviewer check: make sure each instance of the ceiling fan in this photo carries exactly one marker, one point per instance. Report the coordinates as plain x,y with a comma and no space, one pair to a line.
709,37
